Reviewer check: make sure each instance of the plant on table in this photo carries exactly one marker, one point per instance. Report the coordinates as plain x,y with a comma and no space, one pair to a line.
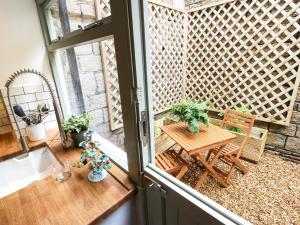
76,125
92,156
191,112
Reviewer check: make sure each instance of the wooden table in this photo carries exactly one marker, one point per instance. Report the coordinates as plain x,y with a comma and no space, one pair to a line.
194,144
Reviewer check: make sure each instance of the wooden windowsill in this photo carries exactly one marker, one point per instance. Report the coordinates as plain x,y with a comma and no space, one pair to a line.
76,201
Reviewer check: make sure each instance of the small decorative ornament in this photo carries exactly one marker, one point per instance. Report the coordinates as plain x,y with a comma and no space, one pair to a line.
91,155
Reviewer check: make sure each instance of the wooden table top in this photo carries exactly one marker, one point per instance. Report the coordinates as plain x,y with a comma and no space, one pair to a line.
73,202
207,138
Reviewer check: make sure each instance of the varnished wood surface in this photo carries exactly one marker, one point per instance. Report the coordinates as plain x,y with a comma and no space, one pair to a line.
76,201
207,138
9,144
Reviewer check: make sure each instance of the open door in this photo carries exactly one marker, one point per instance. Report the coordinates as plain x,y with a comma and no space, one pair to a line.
165,200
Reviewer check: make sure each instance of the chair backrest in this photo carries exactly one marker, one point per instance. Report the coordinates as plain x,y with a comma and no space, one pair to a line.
242,121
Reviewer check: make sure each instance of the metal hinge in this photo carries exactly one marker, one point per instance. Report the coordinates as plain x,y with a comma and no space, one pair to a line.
154,186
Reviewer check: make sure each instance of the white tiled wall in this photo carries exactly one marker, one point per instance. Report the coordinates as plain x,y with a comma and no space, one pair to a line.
29,96
5,125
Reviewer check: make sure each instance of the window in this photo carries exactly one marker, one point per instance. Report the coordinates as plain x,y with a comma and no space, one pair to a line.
86,81
66,16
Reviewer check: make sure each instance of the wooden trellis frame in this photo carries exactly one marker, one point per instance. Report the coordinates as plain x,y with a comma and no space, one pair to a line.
167,31
248,53
232,52
168,44
109,66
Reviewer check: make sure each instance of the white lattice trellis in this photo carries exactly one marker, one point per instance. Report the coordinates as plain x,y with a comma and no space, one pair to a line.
167,45
167,58
109,64
246,53
235,53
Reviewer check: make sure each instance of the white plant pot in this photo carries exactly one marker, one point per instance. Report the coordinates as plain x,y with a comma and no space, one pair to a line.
36,132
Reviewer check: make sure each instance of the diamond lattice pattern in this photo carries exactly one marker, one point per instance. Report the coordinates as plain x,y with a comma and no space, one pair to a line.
245,53
167,39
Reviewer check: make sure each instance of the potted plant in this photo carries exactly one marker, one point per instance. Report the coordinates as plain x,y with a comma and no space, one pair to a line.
191,112
34,121
77,125
91,155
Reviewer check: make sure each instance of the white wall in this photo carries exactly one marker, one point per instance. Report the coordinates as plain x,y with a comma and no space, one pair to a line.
21,41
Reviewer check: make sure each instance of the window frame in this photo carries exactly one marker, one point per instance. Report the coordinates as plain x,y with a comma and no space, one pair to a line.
105,29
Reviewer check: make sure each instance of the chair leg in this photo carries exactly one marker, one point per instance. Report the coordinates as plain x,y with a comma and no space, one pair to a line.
208,156
181,173
180,151
231,173
238,164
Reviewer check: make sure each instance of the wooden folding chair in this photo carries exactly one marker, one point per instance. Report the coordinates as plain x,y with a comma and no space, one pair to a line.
231,153
172,163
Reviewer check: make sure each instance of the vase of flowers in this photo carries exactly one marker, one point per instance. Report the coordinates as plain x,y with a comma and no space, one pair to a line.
191,112
92,156
77,125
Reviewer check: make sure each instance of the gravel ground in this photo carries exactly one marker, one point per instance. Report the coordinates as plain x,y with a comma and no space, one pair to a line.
268,195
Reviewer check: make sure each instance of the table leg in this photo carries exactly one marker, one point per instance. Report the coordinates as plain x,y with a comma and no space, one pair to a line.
209,168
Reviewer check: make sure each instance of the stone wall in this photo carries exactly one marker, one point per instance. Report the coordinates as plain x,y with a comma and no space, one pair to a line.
195,3
29,97
93,90
285,140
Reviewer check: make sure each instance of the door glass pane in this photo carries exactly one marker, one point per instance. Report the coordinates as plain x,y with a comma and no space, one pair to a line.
65,16
92,88
199,59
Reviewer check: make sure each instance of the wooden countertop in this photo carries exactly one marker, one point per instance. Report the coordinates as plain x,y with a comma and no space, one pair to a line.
75,201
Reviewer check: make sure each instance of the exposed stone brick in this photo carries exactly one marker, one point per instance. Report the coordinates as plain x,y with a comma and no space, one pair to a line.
261,124
96,48
88,83
295,117
276,140
100,82
95,101
298,96
298,132
288,131
88,10
297,107
293,144
84,50
89,63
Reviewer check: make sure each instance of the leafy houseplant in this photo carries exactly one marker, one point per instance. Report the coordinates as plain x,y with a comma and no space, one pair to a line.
191,112
76,126
91,155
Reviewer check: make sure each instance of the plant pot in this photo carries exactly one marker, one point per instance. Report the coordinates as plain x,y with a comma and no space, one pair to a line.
36,132
97,177
77,137
190,129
